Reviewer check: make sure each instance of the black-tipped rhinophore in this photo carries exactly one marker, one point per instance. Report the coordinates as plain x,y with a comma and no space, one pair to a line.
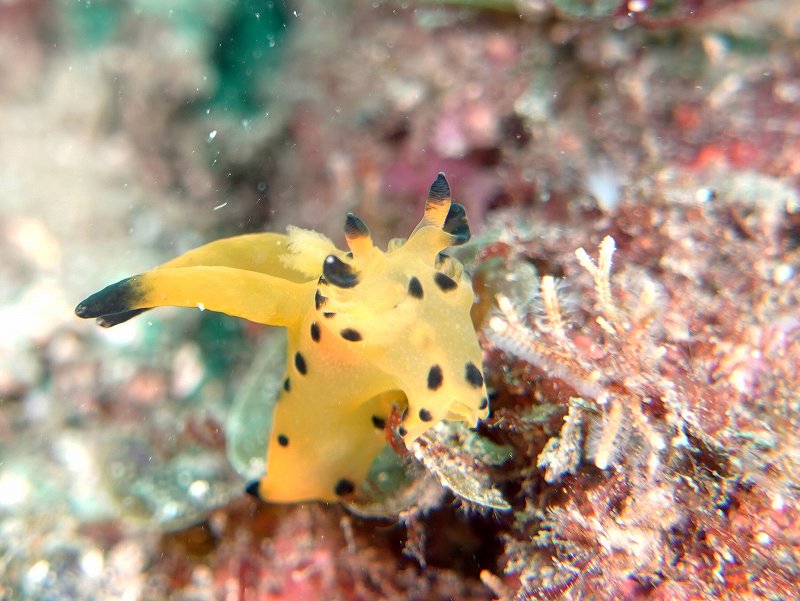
354,227
440,189
115,299
339,273
252,490
456,223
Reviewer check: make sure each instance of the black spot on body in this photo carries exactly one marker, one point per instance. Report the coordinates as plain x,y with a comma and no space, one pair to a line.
344,487
473,375
314,331
415,288
484,404
300,363
378,422
283,440
425,415
319,300
402,431
350,334
435,377
287,385
445,282
339,273
328,314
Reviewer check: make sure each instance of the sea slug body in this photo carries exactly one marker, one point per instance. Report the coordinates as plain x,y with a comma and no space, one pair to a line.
368,330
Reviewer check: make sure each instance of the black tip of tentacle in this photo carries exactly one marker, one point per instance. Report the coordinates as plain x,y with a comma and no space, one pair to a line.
354,227
440,189
252,490
339,273
456,223
112,300
109,321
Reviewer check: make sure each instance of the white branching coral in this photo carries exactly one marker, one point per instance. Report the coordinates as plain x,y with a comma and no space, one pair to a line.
614,365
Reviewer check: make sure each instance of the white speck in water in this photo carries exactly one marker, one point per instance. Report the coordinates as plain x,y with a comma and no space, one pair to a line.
169,510
92,563
603,183
783,273
37,573
199,489
14,489
704,195
221,206
212,135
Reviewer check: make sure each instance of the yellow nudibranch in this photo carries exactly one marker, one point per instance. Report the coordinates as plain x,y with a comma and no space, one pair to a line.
367,330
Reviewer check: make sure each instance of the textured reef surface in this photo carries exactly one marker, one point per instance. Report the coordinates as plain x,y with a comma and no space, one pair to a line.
630,171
